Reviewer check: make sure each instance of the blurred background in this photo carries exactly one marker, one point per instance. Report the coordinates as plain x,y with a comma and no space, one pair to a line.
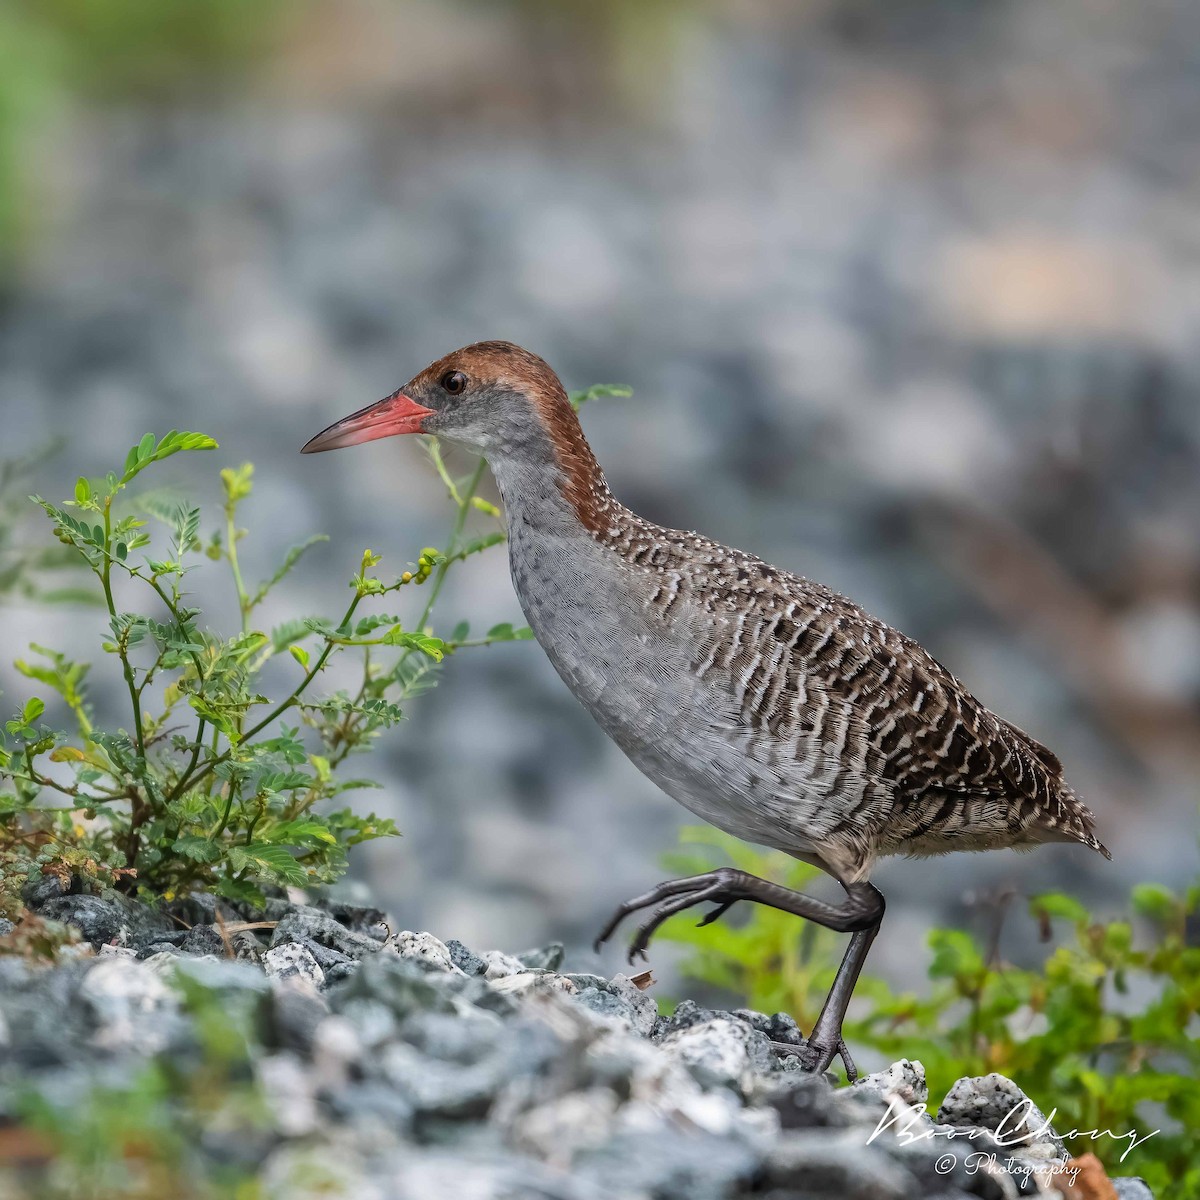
908,294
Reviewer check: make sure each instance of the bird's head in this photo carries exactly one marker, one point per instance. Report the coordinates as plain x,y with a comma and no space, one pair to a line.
492,397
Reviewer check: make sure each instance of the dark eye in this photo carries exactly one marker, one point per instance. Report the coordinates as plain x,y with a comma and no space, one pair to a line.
454,382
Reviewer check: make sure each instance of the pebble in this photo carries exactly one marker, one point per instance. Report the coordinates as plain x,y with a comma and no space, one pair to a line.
293,961
423,948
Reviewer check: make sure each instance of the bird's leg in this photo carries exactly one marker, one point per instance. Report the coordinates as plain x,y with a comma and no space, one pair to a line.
825,1043
860,915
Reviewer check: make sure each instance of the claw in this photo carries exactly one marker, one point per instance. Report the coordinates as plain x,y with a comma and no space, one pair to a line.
716,913
670,897
816,1059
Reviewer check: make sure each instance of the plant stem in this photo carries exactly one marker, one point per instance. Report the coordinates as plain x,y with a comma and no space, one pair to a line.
231,537
464,507
191,766
220,829
122,650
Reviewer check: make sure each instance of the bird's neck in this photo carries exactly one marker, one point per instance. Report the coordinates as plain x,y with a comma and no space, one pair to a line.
550,480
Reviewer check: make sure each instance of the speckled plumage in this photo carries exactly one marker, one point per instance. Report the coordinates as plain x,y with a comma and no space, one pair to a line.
765,703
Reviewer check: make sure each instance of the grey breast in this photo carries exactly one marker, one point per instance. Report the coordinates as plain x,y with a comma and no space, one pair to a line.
638,672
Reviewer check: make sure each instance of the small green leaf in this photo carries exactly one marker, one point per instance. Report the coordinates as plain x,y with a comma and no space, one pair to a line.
197,848
1155,901
273,863
83,490
300,655
32,710
145,447
596,391
1055,904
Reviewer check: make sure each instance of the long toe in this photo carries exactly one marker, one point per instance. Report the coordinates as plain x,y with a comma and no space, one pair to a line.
816,1058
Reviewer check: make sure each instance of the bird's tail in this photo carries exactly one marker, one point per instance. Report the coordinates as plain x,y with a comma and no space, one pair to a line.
1070,820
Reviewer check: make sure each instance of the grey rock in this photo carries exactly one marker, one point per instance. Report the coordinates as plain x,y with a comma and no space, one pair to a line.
465,1036
779,1027
467,961
557,1130
435,1086
46,887
606,1004
300,923
101,919
837,1166
806,1101
687,1013
668,1163
543,958
204,939
295,1016
43,1014
292,961
371,1104
619,999
533,982
420,1068
487,1174
152,949
332,962
400,987
719,1052
584,980
246,947
358,918
237,981
6,927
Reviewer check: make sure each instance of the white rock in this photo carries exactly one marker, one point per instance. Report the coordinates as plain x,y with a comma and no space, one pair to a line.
336,1048
500,964
108,950
716,1051
533,981
645,1007
288,1088
291,961
993,1102
423,947
129,1002
903,1079
560,1128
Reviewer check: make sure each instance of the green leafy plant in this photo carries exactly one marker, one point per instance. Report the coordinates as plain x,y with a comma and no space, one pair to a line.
1103,1030
221,776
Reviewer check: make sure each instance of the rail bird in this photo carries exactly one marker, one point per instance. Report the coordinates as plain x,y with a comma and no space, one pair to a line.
768,705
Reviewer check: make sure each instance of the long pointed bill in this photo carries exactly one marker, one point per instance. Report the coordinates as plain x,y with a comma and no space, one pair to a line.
386,418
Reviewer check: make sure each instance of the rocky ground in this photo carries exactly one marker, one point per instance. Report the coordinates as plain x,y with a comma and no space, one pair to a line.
326,1054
